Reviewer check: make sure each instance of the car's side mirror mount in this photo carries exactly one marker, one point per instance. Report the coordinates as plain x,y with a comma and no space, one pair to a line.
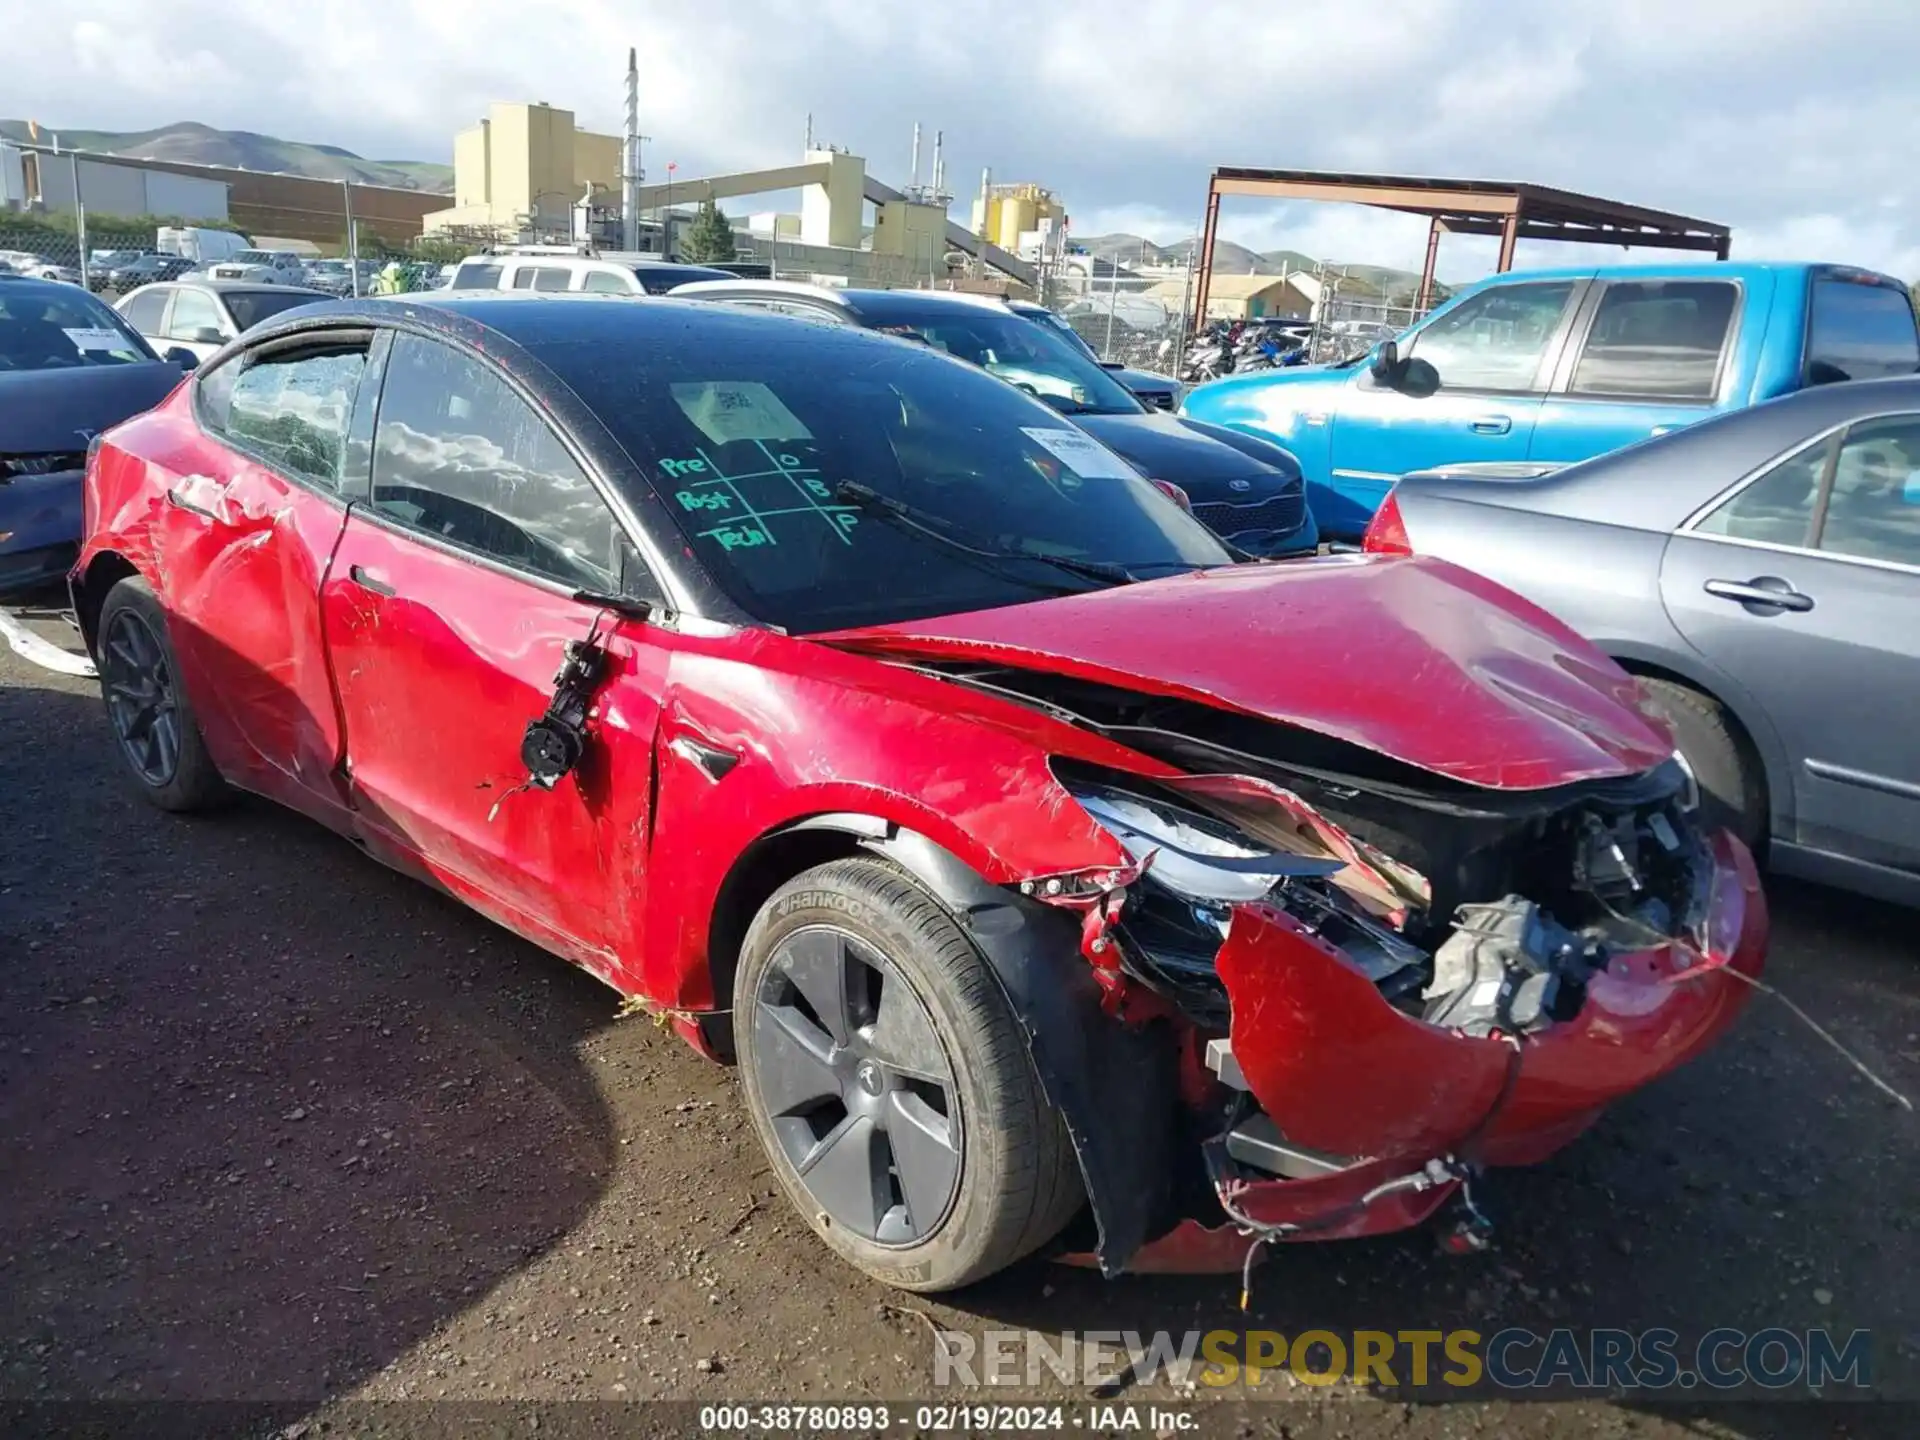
1384,363
181,356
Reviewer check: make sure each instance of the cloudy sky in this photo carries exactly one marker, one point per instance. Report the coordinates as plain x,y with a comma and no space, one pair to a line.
1794,122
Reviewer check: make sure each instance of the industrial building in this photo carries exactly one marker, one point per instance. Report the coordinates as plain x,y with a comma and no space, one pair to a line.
1021,219
32,179
524,168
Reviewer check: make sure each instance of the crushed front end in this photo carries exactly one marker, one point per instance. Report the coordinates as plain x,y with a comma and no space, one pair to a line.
1384,980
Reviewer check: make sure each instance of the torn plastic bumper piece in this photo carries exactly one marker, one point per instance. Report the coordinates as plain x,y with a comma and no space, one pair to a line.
1339,1072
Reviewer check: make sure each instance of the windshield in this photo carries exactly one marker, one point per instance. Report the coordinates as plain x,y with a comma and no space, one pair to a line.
751,430
250,257
1035,357
250,307
60,328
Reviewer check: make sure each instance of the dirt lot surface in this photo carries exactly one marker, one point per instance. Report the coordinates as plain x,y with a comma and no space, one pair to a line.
279,1125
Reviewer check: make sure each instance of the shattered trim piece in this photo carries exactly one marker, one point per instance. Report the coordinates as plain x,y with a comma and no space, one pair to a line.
44,653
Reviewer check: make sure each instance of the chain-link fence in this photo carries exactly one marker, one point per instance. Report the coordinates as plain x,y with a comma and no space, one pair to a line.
1146,317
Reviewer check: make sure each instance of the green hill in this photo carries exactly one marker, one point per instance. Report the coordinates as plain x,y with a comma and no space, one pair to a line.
190,143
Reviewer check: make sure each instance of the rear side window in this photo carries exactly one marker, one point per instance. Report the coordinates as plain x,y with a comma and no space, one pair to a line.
547,277
292,409
605,282
146,310
475,276
1658,338
1858,331
1777,507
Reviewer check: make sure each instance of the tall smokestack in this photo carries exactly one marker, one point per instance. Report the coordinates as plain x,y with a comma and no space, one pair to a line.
809,132
939,168
915,182
630,174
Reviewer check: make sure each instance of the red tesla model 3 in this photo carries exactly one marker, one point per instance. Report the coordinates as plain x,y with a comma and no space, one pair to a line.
1052,881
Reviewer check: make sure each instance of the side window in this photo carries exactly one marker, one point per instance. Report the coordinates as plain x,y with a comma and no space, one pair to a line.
146,310
1777,507
290,408
458,455
1859,331
549,277
1657,338
193,311
523,277
1874,510
605,282
1494,340
474,276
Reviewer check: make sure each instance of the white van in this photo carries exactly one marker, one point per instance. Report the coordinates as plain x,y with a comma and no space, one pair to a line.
578,273
198,243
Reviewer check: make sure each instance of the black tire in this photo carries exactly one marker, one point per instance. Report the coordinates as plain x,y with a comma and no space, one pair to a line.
1731,794
131,618
1018,1182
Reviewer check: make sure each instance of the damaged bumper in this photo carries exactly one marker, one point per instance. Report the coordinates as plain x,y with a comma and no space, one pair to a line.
1359,1119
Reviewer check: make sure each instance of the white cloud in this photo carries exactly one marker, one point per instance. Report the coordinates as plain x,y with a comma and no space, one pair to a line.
1792,122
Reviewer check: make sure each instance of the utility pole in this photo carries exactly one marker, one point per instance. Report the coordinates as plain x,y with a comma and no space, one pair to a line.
353,239
631,173
80,220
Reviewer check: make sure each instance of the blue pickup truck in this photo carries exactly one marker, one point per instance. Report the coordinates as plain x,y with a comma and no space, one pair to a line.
1550,367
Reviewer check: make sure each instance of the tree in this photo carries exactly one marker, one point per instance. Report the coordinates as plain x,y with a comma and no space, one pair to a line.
710,237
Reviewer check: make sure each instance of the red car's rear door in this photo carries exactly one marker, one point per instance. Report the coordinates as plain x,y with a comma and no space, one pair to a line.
254,507
448,610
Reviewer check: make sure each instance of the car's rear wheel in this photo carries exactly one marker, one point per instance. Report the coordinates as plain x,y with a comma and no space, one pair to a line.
890,1084
1728,782
151,716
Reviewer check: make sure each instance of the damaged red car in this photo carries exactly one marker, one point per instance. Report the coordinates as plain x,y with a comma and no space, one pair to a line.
1055,882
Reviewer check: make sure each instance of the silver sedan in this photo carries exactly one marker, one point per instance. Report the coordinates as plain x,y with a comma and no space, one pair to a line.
1761,572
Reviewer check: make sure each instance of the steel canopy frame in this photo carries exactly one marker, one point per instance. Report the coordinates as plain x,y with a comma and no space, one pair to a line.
1512,211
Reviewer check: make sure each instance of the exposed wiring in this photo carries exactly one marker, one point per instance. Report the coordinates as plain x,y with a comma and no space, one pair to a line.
1825,1034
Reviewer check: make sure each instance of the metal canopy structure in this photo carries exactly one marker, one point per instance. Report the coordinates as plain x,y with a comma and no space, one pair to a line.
1514,212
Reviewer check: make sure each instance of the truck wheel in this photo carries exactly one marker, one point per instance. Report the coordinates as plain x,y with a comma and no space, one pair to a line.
147,706
1731,795
890,1084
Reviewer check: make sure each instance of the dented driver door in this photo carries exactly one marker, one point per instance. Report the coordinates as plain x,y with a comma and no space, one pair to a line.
449,609
250,519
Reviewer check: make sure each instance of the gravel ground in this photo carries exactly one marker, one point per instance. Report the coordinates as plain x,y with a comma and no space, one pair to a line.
279,1125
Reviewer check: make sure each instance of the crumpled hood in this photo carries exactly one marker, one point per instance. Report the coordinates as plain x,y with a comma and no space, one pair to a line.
1411,657
47,411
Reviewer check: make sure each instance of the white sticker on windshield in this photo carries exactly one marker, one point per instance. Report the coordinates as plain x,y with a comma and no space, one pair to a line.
730,410
1080,453
101,337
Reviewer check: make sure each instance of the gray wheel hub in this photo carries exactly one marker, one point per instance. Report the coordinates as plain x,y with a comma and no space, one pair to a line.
138,684
858,1087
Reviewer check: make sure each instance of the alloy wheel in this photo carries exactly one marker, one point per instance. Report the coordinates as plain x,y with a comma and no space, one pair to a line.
858,1087
139,687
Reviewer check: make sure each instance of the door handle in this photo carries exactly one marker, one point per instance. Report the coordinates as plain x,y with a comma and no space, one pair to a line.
367,580
1490,424
1763,593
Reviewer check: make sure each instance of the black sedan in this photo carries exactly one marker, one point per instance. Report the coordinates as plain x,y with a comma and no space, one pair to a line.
1246,490
69,369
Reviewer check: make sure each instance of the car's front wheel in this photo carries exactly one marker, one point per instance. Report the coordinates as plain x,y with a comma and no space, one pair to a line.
891,1085
151,716
1728,783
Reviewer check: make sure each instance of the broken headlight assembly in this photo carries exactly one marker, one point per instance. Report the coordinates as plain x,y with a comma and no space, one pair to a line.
1196,868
